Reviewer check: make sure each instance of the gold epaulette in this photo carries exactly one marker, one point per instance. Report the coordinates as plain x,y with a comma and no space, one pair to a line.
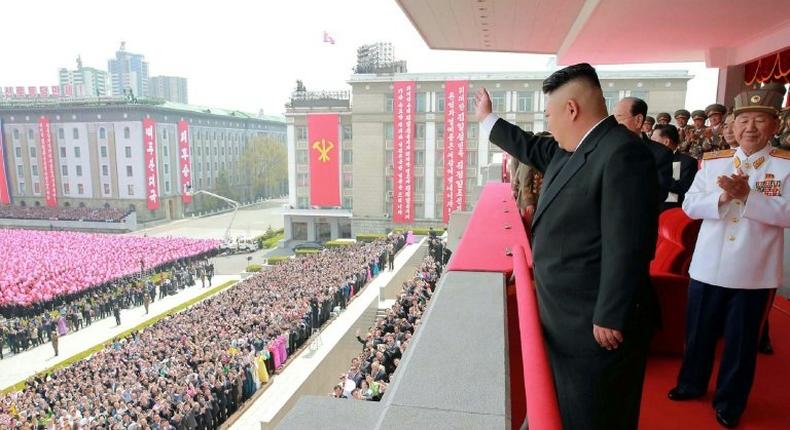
724,153
780,153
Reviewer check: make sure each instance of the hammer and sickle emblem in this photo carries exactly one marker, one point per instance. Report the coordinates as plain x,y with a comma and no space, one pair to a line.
323,146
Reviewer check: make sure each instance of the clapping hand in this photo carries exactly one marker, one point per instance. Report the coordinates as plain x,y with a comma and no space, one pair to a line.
735,187
482,104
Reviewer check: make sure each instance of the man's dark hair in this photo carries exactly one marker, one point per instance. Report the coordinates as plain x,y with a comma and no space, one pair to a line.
581,71
638,107
669,131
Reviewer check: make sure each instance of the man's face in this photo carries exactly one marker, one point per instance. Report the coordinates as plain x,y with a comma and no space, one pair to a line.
647,127
699,122
753,130
681,121
663,140
714,119
622,113
663,121
559,118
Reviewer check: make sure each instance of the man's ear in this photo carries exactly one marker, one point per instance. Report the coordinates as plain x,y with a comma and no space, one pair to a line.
572,107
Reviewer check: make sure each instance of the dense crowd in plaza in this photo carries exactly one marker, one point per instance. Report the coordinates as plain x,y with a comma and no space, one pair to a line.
63,213
194,369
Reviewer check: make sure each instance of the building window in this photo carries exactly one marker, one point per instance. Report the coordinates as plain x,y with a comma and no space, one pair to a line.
34,170
498,101
127,150
75,133
80,189
165,151
20,171
60,134
198,167
299,229
440,132
301,133
419,210
439,102
421,102
346,132
301,180
32,152
167,169
130,189
66,189
389,184
388,157
419,158
348,157
611,97
105,170
16,134
419,184
30,135
102,133
419,130
64,170
348,180
62,152
388,130
167,187
103,151
471,158
76,151
79,170
126,134
640,94
347,204
129,172
525,101
36,189
389,103
301,157
107,189
18,151
21,188
197,148
164,134
471,130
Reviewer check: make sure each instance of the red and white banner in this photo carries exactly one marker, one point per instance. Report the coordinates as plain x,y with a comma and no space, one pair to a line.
183,161
151,170
5,196
455,97
324,148
404,98
48,167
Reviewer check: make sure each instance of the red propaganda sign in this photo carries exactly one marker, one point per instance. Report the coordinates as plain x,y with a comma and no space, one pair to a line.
55,91
5,196
404,99
32,91
183,161
324,159
48,167
455,96
151,173
9,91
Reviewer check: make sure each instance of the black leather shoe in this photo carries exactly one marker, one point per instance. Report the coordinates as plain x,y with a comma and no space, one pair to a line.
677,394
726,420
765,348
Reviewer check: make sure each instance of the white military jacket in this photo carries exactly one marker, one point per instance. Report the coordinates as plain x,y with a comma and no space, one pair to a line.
741,245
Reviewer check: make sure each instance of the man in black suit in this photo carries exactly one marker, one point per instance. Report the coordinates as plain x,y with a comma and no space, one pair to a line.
631,112
684,167
593,236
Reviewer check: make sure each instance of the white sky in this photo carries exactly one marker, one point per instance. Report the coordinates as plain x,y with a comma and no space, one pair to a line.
240,54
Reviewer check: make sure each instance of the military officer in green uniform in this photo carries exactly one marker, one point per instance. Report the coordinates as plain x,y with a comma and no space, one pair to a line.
697,135
663,118
681,120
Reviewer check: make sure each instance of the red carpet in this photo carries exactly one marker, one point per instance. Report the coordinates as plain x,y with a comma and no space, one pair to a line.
769,403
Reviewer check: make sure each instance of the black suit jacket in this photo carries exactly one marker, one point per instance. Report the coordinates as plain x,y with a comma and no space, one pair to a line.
663,158
688,169
593,233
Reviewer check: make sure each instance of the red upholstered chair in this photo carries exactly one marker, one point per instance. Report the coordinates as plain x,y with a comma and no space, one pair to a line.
677,236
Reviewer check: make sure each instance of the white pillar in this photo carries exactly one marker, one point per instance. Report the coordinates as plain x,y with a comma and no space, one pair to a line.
291,135
429,178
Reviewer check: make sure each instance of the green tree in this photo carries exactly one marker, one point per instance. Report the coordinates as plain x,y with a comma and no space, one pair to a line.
264,164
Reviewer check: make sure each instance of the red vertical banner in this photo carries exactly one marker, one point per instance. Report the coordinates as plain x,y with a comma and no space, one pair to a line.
404,98
151,172
183,161
455,94
5,196
48,158
324,148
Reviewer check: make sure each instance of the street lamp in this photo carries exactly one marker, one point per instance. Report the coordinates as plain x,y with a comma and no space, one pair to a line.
233,203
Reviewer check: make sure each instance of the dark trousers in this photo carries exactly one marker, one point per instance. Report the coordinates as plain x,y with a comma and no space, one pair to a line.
738,315
602,391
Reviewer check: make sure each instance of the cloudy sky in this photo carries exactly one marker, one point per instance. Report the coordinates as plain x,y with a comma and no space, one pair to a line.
241,54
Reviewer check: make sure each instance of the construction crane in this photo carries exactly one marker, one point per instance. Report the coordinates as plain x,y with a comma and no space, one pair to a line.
233,203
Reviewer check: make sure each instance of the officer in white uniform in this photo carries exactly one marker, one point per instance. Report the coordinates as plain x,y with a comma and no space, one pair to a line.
741,197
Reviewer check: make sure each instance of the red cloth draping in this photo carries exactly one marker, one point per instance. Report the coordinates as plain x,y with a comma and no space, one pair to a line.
771,68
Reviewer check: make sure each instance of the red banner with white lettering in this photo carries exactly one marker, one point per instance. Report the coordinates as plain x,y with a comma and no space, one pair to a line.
151,167
404,99
48,168
183,161
324,149
5,196
455,98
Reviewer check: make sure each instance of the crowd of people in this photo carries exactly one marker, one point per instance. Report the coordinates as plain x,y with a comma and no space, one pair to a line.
385,343
106,214
194,369
40,266
47,322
